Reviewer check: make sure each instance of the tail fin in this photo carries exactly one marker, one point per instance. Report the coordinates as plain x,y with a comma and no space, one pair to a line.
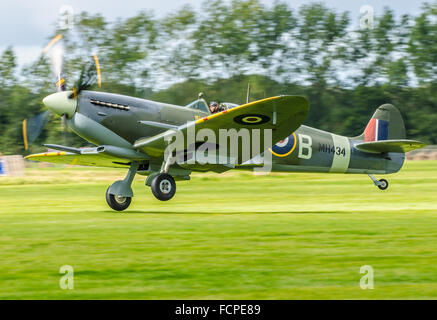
385,132
385,124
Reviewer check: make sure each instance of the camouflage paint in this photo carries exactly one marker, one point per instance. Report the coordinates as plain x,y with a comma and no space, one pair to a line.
328,152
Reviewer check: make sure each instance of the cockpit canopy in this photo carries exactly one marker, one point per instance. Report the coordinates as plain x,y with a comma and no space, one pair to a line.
199,104
228,105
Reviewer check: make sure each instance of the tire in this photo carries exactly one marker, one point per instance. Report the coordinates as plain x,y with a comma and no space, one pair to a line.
163,187
383,185
117,203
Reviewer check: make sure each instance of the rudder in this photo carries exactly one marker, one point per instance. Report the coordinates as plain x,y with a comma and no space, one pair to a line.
385,124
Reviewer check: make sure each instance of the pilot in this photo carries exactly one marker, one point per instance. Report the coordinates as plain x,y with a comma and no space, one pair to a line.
214,107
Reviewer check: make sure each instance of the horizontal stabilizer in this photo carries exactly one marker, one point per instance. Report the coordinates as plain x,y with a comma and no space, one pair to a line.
384,146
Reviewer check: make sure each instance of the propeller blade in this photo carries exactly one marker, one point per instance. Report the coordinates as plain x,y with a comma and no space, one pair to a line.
55,51
99,74
89,76
52,43
32,127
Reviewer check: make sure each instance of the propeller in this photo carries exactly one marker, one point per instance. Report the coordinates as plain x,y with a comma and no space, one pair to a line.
89,76
63,102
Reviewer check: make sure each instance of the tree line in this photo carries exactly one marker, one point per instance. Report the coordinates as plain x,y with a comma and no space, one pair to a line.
344,69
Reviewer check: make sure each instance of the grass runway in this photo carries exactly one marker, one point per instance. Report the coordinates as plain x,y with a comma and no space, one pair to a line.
234,236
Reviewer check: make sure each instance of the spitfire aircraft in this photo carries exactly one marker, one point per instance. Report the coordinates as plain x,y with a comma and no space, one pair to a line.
132,133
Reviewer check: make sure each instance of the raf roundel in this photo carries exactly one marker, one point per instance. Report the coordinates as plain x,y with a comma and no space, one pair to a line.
251,119
284,147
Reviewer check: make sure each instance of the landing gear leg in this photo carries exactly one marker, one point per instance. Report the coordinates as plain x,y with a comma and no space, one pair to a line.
381,184
162,184
119,194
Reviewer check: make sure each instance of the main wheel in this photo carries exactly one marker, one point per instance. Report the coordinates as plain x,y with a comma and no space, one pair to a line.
383,185
163,187
117,203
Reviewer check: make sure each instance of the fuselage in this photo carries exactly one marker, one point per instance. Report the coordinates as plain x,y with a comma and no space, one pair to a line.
111,119
313,150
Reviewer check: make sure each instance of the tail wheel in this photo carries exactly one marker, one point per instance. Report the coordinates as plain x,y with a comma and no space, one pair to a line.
163,187
383,184
116,202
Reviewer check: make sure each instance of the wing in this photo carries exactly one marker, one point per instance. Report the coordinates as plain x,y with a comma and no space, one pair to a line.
390,146
282,114
96,159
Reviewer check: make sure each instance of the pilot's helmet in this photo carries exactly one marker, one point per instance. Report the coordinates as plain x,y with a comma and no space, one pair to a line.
213,104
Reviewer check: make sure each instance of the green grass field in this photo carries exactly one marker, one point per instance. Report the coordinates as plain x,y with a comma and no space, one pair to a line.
230,236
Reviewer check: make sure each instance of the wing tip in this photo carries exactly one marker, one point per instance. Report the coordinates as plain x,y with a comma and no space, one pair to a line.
45,154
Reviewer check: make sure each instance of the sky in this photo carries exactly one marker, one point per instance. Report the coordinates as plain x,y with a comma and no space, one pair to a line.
26,25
